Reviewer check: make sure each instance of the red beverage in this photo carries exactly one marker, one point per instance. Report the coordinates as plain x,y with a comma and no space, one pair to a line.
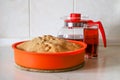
91,38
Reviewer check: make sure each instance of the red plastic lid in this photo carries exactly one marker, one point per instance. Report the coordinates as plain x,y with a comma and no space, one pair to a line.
74,17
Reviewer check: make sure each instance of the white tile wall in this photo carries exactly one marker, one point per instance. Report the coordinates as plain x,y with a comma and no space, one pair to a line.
43,16
14,18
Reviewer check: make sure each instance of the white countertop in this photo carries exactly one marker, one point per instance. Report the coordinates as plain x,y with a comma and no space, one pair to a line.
106,67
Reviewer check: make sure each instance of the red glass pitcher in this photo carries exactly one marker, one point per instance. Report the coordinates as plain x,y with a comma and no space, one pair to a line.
91,37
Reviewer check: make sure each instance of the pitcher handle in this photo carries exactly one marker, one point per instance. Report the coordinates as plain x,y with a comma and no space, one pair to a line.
102,33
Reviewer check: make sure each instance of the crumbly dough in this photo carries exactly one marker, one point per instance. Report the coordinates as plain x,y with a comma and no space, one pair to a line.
48,43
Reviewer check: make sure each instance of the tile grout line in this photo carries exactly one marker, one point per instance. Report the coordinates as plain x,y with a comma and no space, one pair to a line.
29,26
73,6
